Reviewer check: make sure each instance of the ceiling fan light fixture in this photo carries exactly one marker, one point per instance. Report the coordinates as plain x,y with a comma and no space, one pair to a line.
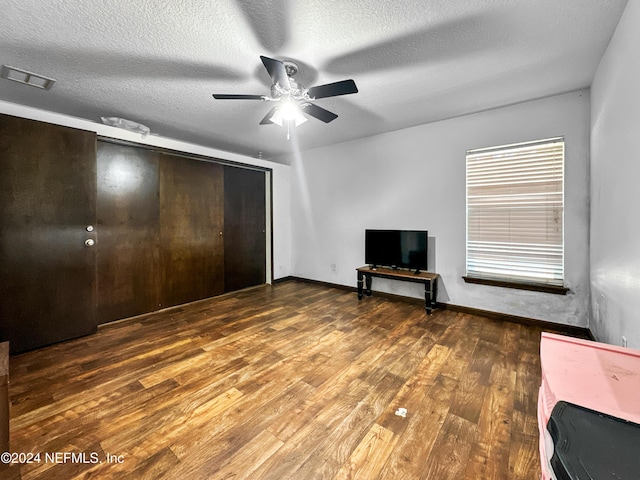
288,113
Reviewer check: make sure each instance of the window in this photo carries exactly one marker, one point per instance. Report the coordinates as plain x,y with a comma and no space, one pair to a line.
515,207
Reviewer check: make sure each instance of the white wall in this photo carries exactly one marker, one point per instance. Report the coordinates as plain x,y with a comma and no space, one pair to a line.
615,187
415,179
280,173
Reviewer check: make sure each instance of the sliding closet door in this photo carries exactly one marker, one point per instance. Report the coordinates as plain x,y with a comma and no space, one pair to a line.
47,201
191,226
128,212
244,227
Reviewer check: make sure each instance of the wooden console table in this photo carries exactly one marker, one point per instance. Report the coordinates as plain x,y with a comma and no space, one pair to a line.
430,280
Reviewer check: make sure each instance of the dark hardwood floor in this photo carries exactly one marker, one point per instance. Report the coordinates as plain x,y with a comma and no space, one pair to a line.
295,381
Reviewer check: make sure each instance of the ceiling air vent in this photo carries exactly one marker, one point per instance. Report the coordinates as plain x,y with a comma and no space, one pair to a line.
28,78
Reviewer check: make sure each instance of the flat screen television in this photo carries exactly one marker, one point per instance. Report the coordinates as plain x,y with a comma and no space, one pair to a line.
396,248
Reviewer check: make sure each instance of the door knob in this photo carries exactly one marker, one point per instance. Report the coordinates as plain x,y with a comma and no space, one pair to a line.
89,242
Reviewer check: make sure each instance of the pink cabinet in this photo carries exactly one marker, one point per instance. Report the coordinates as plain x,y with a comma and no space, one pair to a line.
598,376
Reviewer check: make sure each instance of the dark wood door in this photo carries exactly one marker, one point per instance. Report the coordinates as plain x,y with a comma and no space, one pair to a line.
128,212
244,228
47,199
191,226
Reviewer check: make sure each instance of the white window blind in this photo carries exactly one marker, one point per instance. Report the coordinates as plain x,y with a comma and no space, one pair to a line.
515,209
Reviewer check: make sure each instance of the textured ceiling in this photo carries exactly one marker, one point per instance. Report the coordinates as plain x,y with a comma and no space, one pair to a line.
157,62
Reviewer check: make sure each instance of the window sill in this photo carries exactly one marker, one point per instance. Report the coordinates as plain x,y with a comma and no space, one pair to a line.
536,287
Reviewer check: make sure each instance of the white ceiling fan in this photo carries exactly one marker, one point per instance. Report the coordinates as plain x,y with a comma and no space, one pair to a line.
294,100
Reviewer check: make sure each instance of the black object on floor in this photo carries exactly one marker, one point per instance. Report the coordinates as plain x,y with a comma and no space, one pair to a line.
590,445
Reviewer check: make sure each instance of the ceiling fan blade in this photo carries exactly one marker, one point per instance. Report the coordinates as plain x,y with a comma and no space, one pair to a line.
232,96
277,72
267,118
345,87
318,112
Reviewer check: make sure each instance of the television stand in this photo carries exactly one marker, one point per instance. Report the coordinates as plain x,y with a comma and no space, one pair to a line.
430,280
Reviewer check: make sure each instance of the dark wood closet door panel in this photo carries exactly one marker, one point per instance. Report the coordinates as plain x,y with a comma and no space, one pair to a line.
191,222
244,228
47,199
128,211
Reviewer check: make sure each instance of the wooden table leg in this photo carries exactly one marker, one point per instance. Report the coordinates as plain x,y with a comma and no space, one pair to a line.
368,279
429,297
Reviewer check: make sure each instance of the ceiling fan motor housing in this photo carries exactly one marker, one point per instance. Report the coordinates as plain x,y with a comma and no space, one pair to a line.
290,67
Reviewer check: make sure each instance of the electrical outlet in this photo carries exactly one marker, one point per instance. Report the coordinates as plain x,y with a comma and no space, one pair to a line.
334,267
624,341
